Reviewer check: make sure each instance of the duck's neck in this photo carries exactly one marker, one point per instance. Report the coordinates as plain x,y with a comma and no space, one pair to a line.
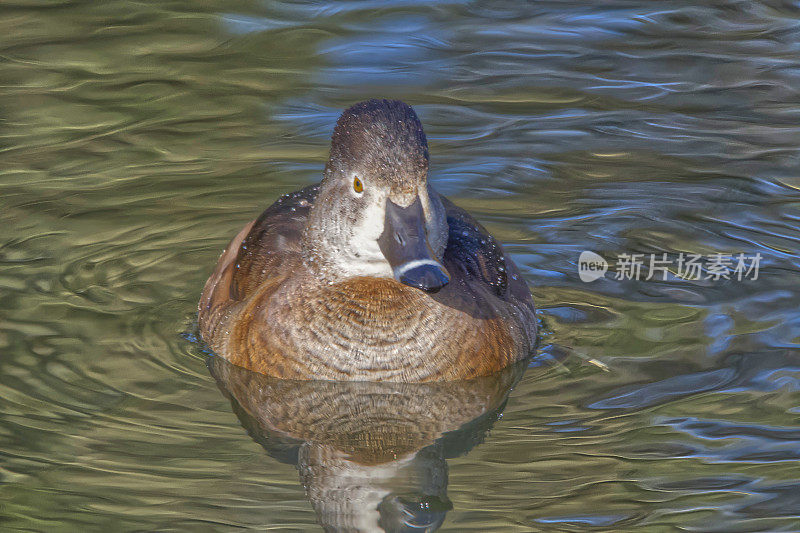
335,250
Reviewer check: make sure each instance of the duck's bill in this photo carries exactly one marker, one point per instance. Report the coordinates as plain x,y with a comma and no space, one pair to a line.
404,243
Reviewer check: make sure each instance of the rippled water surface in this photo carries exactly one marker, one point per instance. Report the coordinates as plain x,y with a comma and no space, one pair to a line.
137,137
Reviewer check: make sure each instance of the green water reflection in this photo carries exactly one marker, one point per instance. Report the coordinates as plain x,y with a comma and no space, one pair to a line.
137,137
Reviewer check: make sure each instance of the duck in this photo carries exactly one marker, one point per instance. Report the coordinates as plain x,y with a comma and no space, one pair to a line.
370,274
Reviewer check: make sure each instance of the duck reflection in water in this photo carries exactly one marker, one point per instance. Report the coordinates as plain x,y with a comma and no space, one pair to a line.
371,455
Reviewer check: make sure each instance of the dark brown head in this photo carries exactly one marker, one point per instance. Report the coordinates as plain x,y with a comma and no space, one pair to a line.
382,139
376,214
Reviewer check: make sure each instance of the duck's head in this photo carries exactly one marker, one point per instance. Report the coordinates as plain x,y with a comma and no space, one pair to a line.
376,215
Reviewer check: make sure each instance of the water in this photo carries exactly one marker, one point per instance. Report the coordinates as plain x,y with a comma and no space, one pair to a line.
137,138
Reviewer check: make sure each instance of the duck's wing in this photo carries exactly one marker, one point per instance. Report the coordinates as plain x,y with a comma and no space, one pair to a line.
266,249
479,266
272,247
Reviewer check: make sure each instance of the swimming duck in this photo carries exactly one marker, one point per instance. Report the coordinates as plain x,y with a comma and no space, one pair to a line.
370,275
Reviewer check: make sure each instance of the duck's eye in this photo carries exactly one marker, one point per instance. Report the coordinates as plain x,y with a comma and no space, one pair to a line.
358,186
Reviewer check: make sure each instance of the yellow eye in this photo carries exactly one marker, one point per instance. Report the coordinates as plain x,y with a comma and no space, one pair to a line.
357,185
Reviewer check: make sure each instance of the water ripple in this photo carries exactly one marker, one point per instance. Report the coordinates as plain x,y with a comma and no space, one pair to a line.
138,138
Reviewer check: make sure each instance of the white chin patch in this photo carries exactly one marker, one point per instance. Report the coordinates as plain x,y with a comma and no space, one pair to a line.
370,260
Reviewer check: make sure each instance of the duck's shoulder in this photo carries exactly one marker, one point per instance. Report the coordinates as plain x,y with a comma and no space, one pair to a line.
281,223
264,250
272,246
472,253
485,281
